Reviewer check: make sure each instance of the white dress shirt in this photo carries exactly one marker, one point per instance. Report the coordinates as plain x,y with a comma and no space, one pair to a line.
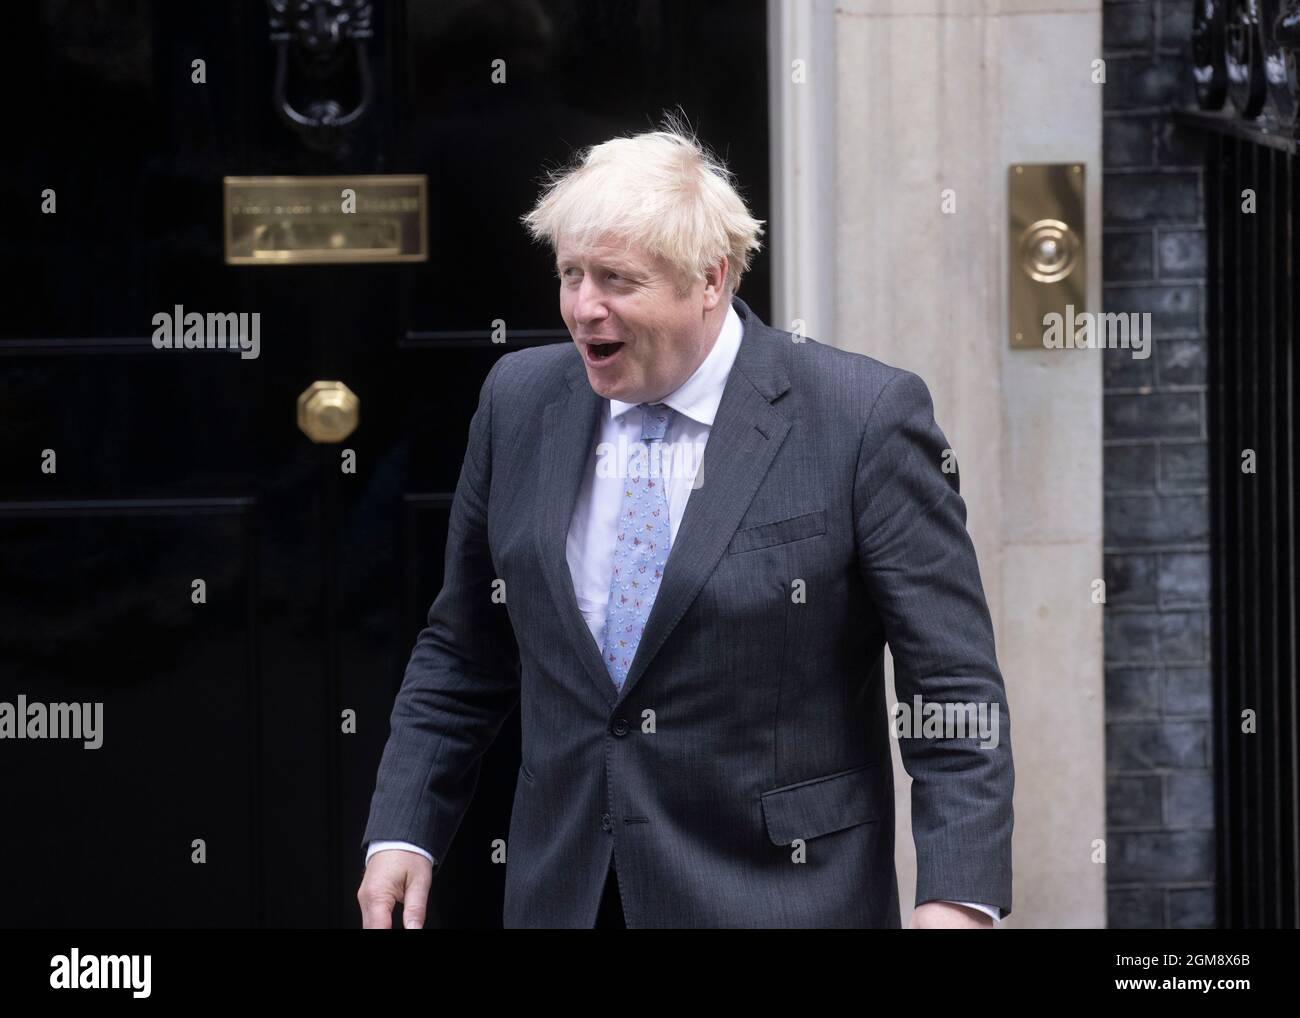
590,545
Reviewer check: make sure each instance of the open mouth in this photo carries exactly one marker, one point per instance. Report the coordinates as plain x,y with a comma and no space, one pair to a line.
600,353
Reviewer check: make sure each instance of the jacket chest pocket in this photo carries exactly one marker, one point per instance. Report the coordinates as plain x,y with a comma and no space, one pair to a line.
786,531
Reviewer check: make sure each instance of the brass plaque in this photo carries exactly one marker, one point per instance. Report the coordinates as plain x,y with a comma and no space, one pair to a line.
1046,250
326,220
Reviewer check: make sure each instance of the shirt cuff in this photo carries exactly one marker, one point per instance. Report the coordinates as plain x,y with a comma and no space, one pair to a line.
992,911
384,846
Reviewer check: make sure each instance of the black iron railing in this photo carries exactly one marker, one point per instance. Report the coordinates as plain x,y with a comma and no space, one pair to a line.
1246,85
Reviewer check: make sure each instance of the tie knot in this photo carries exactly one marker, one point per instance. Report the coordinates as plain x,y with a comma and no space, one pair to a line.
654,420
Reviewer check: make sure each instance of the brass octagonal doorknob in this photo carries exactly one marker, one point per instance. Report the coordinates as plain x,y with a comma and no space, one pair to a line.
328,411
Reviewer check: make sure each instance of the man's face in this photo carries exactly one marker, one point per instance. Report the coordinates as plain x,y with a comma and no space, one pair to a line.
638,337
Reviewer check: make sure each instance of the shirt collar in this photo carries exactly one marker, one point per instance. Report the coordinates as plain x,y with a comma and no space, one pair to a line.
698,397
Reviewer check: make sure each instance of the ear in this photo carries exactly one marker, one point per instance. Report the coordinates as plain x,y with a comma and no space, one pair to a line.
715,284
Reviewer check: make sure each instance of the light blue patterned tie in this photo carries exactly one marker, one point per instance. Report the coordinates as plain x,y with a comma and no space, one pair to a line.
642,538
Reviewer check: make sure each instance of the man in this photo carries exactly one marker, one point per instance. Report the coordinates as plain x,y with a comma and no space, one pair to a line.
696,644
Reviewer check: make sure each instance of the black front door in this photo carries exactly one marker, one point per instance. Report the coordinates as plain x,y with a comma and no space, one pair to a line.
238,599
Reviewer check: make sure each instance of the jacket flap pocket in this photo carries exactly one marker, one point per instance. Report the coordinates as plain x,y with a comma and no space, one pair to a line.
819,806
765,535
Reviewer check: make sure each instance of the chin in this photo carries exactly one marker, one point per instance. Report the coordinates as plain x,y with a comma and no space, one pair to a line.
603,388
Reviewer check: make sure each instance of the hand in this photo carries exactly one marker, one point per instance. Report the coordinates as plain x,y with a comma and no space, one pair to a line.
395,875
943,915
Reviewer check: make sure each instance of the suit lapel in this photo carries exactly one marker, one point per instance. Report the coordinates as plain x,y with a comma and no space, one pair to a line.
743,441
746,434
569,430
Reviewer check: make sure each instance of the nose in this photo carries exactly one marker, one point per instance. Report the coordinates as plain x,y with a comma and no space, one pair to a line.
589,306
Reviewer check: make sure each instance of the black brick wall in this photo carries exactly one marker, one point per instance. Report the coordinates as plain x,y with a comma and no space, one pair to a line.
1159,754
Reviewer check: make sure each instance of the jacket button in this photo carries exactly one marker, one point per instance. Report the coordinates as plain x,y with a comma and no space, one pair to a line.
620,727
606,822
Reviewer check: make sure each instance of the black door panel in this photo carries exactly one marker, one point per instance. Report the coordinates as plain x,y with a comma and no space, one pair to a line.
227,791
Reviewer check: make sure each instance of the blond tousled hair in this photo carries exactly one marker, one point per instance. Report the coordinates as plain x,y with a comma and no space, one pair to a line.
663,190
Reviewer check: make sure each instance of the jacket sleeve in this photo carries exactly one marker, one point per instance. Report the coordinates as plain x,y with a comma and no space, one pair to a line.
918,563
462,679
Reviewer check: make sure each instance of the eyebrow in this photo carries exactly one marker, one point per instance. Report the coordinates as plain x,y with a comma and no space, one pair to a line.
626,268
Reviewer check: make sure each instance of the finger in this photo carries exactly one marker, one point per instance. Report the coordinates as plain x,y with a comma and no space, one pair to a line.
415,901
376,909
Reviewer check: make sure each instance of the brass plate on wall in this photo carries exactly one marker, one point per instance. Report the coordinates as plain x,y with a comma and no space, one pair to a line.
1046,247
301,220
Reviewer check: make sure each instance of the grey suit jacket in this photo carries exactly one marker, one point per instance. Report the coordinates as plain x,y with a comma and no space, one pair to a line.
742,776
